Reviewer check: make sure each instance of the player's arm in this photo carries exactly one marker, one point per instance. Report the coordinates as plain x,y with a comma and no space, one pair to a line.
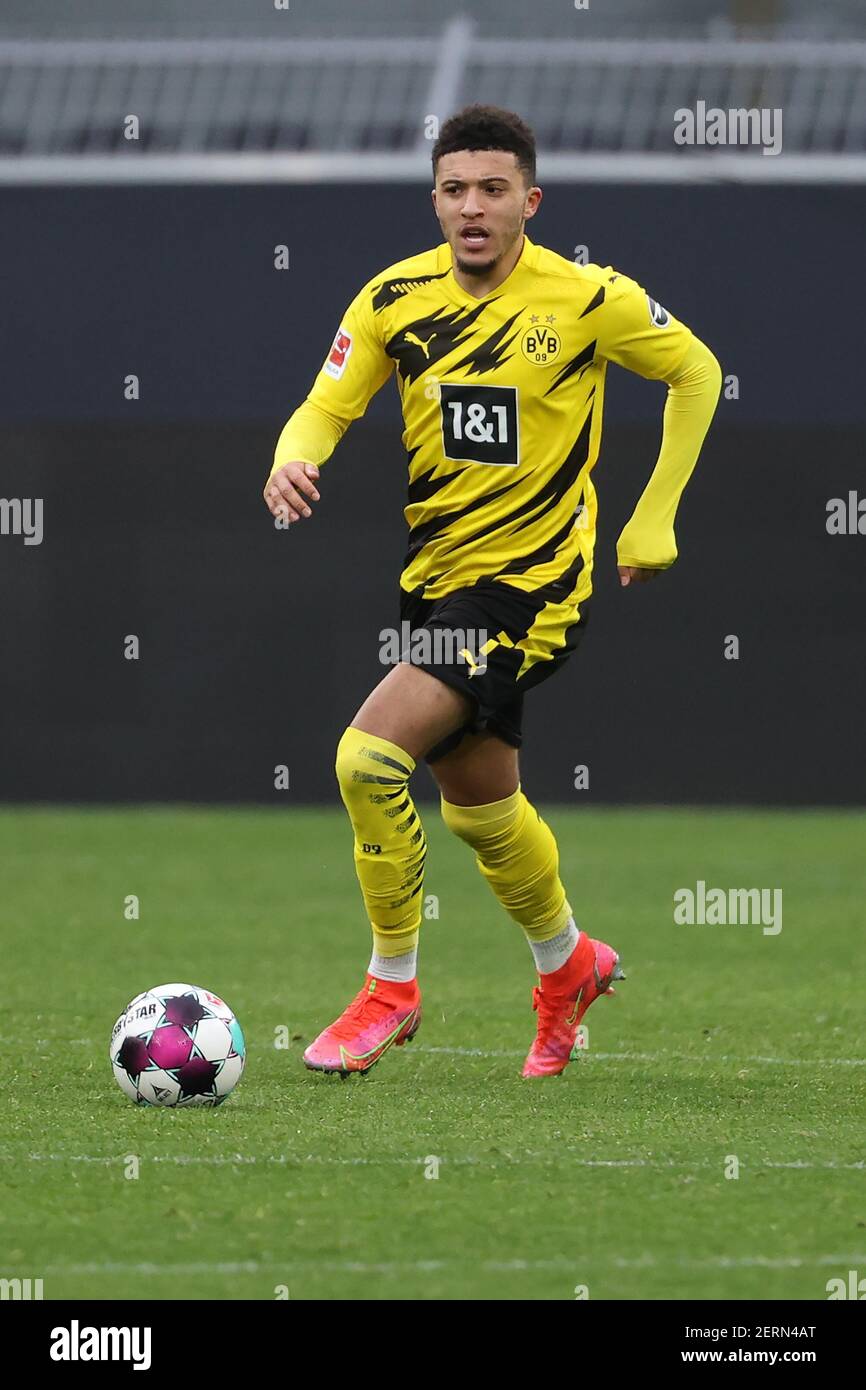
639,334
354,370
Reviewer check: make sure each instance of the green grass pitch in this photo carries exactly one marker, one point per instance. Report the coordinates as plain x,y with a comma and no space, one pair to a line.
723,1041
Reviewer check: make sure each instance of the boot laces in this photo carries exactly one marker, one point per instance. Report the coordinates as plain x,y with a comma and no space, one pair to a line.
364,1009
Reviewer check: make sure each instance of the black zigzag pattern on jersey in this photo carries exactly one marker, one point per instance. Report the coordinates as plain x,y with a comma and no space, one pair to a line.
392,290
500,523
566,474
425,486
555,591
420,535
560,588
597,299
577,364
418,345
543,553
492,352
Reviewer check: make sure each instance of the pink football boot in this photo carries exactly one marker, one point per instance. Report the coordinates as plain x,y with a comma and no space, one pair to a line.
381,1015
563,997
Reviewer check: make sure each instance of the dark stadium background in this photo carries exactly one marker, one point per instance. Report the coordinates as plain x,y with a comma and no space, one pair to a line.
257,646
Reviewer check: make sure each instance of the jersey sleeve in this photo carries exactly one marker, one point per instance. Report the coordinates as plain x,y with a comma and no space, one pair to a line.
648,540
356,367
636,332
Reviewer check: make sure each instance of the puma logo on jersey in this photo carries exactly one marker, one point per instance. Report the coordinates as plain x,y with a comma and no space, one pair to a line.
417,342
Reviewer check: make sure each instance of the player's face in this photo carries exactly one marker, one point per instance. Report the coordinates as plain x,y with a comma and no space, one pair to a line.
482,202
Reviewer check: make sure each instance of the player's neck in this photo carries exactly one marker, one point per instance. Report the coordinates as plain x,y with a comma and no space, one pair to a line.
481,285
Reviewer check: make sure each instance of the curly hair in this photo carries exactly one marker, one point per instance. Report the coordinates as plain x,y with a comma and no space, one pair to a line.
479,127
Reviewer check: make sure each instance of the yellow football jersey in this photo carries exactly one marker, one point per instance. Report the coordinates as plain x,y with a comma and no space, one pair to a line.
502,402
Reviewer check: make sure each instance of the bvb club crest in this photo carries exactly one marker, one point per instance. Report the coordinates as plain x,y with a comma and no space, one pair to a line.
540,344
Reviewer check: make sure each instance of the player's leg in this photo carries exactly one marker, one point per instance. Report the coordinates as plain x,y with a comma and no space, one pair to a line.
482,768
482,802
408,713
412,709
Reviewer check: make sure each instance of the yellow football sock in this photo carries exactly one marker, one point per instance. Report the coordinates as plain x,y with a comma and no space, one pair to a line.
390,845
517,854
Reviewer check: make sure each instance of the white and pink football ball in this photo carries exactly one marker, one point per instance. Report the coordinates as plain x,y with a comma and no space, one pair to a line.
177,1045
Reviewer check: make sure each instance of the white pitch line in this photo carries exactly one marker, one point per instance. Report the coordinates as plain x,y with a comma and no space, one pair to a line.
577,1261
561,1160
653,1057
515,1052
662,1057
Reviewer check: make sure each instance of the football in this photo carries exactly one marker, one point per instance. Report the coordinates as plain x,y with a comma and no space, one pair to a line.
177,1045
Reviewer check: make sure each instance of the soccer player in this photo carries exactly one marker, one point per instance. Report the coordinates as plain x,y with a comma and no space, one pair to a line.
500,348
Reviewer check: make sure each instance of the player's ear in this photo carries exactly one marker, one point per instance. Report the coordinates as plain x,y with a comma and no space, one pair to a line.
532,203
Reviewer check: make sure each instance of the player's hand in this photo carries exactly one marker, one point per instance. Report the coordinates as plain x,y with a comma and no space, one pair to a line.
289,491
633,574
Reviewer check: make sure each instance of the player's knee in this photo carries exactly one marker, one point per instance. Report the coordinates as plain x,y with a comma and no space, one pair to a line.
347,761
364,771
482,826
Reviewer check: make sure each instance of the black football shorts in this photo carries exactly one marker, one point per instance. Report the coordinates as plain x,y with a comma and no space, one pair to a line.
493,642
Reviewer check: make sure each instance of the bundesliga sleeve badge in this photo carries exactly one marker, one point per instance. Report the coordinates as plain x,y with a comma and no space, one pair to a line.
339,354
